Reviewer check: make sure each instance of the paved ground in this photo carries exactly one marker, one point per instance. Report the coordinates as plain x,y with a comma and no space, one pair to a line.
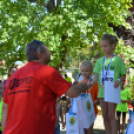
98,126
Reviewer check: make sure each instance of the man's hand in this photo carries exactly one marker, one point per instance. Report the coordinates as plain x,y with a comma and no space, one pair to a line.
116,84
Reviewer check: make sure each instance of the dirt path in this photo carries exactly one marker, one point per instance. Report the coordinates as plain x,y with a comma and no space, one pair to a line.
98,126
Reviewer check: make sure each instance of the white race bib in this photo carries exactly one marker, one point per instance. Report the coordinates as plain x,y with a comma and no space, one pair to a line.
109,77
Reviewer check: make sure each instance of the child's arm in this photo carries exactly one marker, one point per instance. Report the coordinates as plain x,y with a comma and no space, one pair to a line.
95,79
61,116
96,102
96,90
122,80
124,101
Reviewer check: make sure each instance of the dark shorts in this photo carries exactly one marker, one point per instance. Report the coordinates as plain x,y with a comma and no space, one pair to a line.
119,114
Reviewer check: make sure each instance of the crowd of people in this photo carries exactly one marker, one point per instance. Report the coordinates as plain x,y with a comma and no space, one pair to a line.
30,98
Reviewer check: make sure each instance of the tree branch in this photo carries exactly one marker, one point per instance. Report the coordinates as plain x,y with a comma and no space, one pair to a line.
50,5
32,0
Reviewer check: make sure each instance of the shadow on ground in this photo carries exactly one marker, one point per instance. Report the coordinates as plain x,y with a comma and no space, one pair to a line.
95,131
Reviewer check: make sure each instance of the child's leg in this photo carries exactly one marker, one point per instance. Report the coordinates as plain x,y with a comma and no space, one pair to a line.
89,130
104,107
111,117
118,121
123,121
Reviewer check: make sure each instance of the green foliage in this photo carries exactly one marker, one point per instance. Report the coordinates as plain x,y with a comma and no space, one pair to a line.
129,86
127,51
65,30
86,53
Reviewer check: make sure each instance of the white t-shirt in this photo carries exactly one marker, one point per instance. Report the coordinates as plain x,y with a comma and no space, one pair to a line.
79,77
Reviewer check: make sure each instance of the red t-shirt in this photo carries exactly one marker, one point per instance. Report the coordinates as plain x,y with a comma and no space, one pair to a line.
31,97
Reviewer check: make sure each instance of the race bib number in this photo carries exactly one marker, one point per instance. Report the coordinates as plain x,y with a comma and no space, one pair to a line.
109,77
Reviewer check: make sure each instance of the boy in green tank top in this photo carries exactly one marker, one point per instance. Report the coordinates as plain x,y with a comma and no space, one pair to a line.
122,108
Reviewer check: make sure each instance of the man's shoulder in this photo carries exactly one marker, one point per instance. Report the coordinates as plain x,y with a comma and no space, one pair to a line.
35,68
47,68
39,65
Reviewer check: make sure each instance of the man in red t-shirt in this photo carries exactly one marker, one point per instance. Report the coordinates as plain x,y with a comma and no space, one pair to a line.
31,92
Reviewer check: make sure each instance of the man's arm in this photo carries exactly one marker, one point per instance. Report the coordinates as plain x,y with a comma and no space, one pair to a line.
76,90
4,115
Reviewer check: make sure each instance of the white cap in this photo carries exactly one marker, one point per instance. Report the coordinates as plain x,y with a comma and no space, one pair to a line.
18,63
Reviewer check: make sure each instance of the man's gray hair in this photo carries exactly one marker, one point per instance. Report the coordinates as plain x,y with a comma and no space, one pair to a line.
33,48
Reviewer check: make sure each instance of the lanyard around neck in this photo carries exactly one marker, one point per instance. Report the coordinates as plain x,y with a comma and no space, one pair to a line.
90,80
71,109
109,65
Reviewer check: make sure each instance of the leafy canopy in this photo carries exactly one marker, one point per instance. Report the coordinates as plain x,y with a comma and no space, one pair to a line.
73,25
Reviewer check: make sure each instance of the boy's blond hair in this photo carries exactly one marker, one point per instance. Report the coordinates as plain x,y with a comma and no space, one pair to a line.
88,64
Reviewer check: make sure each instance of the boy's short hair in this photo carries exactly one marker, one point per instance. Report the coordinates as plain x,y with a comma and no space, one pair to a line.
87,63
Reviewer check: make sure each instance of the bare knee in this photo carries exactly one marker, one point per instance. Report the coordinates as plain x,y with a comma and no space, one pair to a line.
124,119
105,116
111,116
